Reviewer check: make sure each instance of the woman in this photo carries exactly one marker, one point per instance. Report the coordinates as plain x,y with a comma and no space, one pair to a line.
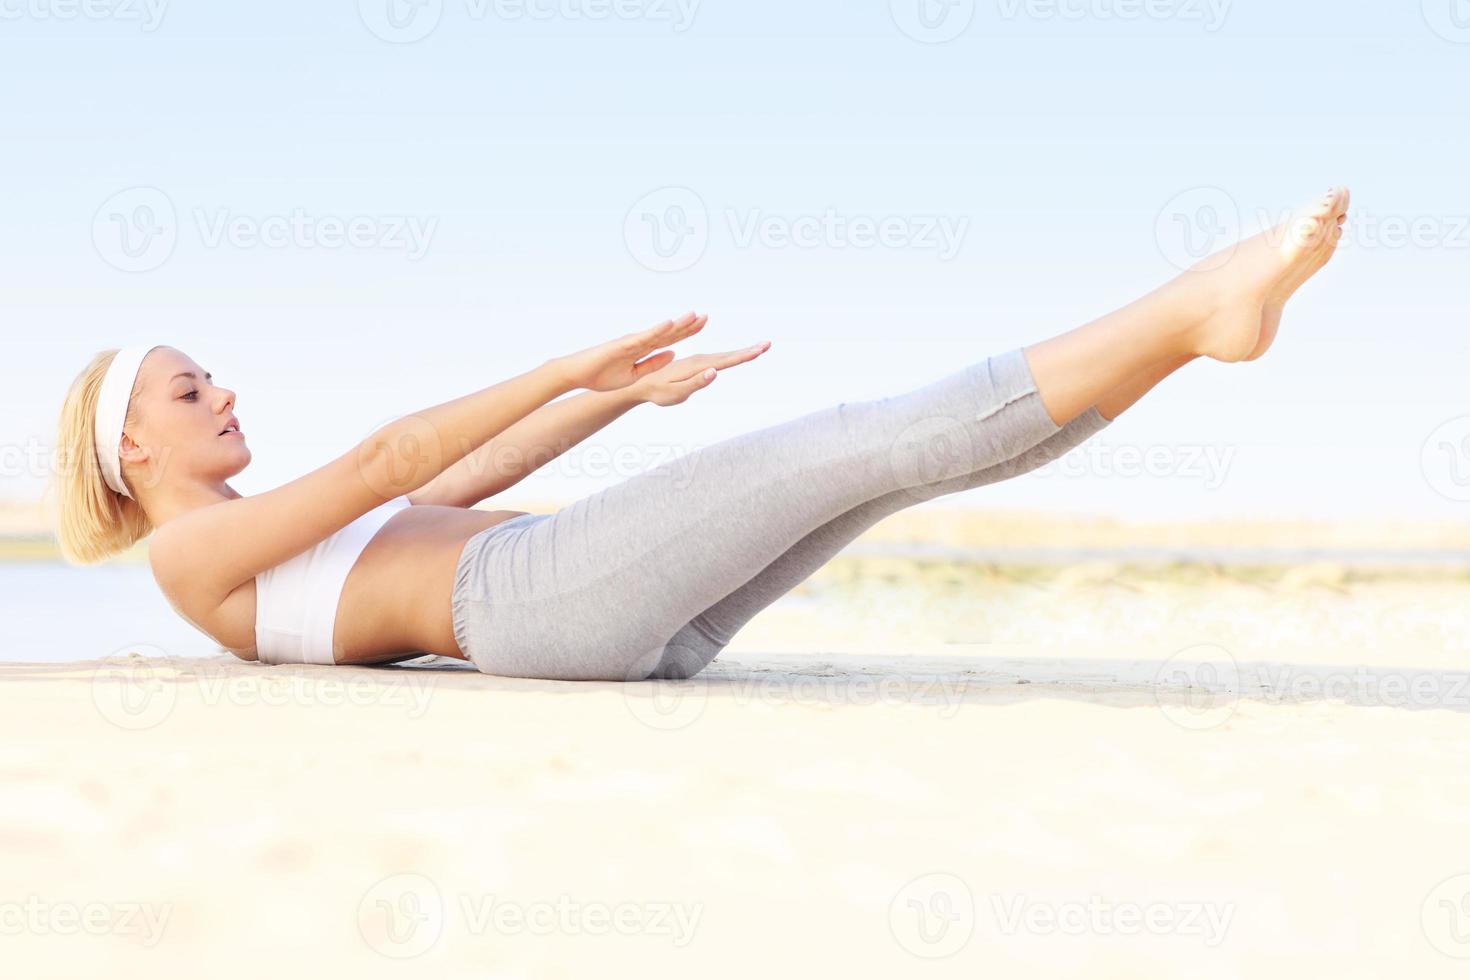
648,578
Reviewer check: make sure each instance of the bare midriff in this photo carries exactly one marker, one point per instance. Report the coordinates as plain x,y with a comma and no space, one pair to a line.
396,599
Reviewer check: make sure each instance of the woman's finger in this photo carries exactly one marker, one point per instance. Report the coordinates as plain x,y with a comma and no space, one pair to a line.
659,335
689,385
652,363
732,357
684,330
723,359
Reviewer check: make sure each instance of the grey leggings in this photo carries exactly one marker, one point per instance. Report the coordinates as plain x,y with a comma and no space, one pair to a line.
654,576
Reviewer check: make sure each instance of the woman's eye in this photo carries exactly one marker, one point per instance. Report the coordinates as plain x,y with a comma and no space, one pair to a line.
190,394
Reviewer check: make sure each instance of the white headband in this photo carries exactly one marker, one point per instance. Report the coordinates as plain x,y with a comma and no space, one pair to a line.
112,410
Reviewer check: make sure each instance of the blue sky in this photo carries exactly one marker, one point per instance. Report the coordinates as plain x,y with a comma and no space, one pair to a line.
881,202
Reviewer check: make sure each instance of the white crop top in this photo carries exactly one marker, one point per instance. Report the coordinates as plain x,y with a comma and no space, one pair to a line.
296,602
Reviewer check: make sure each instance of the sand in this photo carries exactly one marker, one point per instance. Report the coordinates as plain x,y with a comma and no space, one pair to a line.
1096,772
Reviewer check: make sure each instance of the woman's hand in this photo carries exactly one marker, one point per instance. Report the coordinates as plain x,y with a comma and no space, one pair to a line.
673,383
616,364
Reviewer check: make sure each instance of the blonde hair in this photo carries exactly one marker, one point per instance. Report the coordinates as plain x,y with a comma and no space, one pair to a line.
93,522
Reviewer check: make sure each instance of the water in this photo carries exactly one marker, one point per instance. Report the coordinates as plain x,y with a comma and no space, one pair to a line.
55,612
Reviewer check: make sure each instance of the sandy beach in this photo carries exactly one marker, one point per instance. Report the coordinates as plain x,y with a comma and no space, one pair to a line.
902,768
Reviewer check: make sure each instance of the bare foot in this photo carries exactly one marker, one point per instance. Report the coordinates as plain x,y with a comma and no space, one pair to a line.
1248,284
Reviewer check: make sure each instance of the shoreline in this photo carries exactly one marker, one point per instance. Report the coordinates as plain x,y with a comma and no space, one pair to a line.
988,535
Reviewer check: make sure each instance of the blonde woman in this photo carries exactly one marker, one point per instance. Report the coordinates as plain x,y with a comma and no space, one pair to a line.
377,555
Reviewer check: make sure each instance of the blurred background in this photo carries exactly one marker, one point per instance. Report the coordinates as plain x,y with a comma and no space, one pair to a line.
348,212
1212,660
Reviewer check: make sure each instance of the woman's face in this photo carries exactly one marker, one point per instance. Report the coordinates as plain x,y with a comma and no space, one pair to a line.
182,421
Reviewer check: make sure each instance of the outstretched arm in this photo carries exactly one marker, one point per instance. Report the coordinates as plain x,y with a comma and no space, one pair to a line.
217,548
553,429
526,446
